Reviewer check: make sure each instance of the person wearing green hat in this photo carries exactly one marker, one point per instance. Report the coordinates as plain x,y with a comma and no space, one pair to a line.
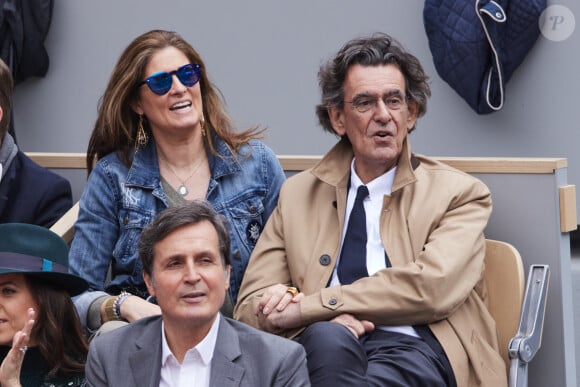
41,339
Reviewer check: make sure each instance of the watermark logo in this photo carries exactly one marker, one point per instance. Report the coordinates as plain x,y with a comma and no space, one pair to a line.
557,23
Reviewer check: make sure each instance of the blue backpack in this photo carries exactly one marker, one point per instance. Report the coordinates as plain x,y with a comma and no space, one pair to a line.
477,45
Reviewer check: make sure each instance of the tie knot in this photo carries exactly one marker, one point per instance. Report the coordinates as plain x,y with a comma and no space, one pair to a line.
361,193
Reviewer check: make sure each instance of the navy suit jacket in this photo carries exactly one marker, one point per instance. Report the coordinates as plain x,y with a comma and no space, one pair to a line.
32,194
243,356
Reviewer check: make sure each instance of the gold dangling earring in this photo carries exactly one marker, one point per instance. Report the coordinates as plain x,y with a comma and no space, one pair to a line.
142,138
202,124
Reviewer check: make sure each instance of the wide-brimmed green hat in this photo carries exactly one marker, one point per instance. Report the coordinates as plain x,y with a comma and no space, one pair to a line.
37,252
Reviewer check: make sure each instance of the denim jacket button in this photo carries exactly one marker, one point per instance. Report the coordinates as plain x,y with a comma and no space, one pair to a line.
324,260
126,220
253,210
237,254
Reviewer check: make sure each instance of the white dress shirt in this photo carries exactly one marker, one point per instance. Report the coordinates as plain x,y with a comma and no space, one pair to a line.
196,367
373,204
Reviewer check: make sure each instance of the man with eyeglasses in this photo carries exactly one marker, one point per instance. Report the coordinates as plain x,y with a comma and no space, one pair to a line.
373,259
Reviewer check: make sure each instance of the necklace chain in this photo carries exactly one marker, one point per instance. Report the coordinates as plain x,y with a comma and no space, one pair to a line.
182,189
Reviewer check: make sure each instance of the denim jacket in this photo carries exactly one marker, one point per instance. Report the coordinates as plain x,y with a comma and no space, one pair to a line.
118,201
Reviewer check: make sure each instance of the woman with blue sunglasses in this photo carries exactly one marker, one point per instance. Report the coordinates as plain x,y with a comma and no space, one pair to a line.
162,137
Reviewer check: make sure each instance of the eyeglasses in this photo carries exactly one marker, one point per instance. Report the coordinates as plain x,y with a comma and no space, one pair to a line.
161,82
365,103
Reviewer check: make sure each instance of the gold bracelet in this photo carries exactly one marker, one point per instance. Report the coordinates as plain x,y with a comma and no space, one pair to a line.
110,308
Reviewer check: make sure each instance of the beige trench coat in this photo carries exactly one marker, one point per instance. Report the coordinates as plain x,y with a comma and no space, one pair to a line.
432,230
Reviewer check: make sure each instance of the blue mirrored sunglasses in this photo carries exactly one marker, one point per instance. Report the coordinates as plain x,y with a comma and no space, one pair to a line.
161,82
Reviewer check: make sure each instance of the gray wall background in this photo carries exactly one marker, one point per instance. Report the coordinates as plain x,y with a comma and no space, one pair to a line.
264,55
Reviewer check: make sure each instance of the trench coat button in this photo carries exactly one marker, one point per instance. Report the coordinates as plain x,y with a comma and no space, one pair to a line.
332,301
324,260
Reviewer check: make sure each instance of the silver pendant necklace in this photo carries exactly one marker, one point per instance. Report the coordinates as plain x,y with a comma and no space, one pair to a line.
182,189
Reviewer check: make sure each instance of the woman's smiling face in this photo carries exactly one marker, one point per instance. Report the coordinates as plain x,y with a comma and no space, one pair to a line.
177,112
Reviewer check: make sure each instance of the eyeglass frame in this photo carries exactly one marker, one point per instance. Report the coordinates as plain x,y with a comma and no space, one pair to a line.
196,69
374,101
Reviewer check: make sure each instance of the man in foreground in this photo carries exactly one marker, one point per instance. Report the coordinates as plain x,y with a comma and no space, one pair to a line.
185,253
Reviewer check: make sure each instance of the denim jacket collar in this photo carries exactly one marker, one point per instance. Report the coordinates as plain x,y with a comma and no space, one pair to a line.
144,170
225,163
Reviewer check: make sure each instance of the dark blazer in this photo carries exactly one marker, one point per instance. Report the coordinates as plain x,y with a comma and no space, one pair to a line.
243,356
32,194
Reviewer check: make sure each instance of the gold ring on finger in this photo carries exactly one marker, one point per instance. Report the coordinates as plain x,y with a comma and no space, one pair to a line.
292,290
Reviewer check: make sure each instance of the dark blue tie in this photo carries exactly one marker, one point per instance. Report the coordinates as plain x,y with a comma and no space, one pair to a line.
353,258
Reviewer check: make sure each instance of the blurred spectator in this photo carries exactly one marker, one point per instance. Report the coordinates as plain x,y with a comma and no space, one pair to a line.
29,193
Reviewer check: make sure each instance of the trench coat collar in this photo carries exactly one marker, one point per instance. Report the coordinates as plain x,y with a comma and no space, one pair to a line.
334,167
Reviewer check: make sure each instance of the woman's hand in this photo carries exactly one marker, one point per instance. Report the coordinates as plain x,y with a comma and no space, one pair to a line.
134,308
12,363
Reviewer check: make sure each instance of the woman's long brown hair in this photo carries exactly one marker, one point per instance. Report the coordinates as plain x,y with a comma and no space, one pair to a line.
57,330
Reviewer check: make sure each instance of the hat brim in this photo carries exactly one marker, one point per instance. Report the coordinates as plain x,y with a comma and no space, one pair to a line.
73,284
